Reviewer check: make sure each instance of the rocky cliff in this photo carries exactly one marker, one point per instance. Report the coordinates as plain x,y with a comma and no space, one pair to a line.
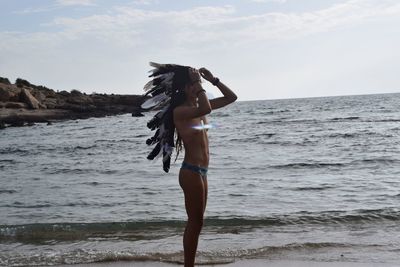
25,103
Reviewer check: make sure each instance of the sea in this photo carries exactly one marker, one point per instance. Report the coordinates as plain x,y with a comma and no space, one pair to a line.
314,179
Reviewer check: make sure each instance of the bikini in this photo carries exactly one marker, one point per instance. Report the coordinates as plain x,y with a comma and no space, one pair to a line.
197,169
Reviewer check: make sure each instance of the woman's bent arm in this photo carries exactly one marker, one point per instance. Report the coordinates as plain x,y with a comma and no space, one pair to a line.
203,108
219,102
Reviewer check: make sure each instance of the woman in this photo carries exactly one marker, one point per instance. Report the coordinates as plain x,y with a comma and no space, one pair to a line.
187,112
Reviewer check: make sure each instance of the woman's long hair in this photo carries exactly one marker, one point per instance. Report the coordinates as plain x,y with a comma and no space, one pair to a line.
167,88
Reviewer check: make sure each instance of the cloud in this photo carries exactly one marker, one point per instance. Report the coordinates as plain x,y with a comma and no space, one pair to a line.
75,2
207,27
30,10
222,25
144,2
57,5
269,1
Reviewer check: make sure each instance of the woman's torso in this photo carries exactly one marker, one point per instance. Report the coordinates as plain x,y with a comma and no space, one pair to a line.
195,141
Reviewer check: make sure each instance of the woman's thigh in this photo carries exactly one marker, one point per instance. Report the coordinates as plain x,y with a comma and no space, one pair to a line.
194,190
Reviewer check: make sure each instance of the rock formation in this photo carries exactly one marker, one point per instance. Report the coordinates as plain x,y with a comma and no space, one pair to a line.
24,102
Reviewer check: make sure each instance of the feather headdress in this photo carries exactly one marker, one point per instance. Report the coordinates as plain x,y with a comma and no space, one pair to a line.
166,92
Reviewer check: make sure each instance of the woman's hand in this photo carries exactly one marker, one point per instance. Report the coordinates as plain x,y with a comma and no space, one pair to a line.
206,74
194,75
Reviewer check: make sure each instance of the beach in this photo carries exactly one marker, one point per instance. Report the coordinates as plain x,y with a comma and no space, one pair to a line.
245,263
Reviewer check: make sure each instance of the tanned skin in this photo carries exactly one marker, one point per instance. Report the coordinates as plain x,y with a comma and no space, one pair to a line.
195,142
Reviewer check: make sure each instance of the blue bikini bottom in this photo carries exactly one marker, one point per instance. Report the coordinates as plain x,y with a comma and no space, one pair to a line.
197,169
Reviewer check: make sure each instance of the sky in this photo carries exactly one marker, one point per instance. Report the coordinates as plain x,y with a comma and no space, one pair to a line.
261,49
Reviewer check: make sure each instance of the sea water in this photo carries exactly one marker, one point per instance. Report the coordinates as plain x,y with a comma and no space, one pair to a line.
305,179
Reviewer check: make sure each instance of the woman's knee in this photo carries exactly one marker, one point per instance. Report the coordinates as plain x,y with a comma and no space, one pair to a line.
196,223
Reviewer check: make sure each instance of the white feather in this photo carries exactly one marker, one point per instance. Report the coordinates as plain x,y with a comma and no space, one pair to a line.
148,86
156,65
161,133
168,150
156,101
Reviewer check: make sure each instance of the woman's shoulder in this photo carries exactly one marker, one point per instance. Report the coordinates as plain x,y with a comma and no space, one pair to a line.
181,110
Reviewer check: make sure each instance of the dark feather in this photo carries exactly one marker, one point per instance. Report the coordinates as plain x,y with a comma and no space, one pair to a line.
154,152
154,123
154,139
166,164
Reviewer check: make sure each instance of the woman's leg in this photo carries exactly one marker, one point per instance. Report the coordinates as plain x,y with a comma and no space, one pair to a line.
193,188
205,182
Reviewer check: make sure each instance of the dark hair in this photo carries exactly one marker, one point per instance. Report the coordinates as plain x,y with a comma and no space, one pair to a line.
163,121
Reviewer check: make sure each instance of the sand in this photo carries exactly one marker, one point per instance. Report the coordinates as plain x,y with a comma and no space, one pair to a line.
245,263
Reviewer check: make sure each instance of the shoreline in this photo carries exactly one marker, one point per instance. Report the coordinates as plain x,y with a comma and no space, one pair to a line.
22,117
240,263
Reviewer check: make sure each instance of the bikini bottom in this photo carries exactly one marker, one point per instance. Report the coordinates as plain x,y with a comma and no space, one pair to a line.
197,169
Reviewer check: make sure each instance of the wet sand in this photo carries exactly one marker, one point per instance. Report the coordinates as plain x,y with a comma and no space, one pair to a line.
245,263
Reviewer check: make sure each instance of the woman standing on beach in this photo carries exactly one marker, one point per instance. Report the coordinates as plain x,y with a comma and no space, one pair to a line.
186,112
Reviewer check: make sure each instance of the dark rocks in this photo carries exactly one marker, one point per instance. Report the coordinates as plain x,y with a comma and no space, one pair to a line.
21,83
15,105
137,113
64,93
24,102
29,99
50,103
2,125
17,123
9,93
4,80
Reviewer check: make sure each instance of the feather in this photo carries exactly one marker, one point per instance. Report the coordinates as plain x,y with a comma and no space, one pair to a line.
160,83
160,89
154,139
149,85
156,65
155,91
156,120
153,123
167,164
154,152
155,101
167,151
162,131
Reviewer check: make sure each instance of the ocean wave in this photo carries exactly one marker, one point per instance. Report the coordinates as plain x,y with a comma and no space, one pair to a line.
18,204
15,150
153,229
358,134
383,161
313,188
8,161
352,118
268,135
301,165
383,120
223,256
321,165
120,140
68,171
55,170
78,147
8,191
357,119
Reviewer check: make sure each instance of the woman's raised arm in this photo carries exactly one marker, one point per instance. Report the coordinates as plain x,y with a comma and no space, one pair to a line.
219,102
